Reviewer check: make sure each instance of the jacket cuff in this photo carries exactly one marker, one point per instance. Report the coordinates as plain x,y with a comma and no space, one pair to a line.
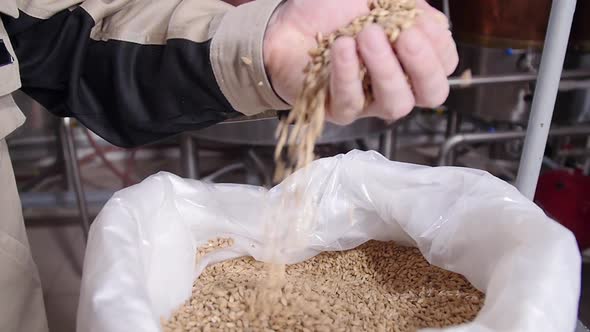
237,58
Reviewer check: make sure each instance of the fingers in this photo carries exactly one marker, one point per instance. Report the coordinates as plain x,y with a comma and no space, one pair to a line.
435,26
345,84
434,13
441,41
443,44
426,54
420,61
393,95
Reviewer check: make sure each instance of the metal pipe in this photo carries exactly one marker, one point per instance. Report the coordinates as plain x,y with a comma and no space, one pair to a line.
394,142
263,173
554,50
386,144
447,10
587,163
459,82
473,138
452,130
65,152
188,157
220,172
61,200
40,178
73,173
574,153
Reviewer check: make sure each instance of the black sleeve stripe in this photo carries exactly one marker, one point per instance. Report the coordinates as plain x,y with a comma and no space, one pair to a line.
129,94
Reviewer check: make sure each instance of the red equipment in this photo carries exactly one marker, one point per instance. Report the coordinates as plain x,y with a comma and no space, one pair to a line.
565,197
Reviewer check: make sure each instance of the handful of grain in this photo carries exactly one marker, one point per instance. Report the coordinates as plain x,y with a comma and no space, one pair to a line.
376,287
298,132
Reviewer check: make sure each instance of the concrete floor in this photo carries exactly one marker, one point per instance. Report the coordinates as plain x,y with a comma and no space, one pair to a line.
59,253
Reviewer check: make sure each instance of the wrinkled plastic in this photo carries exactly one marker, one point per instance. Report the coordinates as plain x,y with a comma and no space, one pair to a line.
140,258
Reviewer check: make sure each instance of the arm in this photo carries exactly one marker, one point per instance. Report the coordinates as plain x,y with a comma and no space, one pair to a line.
138,71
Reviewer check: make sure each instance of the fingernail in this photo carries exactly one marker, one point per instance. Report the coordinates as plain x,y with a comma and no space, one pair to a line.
412,42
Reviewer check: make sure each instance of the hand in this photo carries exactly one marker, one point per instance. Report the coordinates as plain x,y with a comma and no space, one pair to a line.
426,53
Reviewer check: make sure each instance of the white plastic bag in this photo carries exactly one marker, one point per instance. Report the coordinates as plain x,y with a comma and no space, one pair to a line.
140,264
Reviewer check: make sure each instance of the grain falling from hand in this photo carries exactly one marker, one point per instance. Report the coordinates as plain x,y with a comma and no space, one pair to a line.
298,132
368,288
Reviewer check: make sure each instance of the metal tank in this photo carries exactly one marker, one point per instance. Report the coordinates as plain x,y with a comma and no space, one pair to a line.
498,37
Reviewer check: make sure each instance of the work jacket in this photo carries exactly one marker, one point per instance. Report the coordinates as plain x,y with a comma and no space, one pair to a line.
135,71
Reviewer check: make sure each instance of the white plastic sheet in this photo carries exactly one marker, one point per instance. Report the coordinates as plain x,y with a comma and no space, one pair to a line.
140,265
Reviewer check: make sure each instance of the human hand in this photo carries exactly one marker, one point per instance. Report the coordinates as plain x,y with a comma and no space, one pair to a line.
426,53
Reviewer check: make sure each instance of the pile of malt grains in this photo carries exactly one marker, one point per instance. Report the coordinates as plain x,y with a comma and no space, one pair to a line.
213,245
376,287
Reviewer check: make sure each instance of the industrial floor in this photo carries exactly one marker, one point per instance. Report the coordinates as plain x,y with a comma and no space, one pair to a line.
58,250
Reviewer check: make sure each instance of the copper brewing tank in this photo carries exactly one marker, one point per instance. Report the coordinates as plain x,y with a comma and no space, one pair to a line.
512,23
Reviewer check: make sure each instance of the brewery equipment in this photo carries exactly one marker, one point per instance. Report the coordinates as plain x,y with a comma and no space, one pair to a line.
498,37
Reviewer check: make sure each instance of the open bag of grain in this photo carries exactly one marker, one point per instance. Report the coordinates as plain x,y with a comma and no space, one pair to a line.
153,240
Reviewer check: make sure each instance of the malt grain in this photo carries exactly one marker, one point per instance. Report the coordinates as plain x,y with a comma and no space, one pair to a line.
376,287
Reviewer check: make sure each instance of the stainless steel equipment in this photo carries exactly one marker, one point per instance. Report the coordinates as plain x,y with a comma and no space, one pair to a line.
511,102
473,138
505,37
508,102
73,172
262,132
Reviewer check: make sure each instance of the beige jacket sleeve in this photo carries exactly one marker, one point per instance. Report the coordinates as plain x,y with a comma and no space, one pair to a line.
236,48
137,71
237,58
